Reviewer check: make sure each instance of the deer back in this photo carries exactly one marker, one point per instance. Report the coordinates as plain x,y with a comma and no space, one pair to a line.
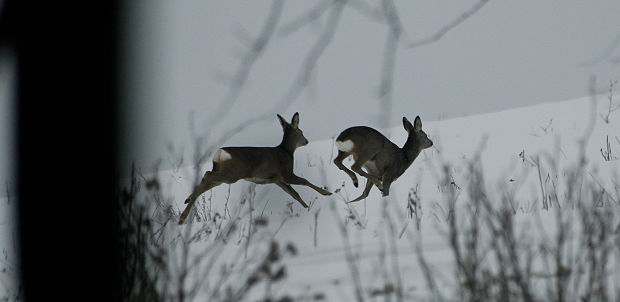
361,140
262,164
253,161
386,158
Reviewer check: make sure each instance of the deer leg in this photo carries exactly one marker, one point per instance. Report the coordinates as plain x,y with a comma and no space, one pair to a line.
357,167
191,200
386,186
365,193
288,189
296,180
186,212
209,181
201,188
338,162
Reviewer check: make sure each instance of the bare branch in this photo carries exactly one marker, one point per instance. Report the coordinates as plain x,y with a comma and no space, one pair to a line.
444,30
301,81
368,11
393,249
389,60
247,62
611,108
308,17
604,54
391,14
303,77
352,260
588,131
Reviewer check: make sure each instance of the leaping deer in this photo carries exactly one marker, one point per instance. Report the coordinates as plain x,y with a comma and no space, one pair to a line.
383,160
261,165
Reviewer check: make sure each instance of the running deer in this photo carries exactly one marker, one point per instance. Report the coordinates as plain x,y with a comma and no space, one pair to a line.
261,165
383,160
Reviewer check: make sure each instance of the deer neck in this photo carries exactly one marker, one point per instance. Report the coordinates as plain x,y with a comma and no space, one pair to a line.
288,145
411,150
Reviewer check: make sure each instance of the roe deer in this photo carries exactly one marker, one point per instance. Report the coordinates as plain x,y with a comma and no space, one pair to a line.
383,160
261,165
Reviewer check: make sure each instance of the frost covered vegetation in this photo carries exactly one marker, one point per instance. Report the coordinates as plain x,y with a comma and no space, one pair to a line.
11,289
525,210
166,264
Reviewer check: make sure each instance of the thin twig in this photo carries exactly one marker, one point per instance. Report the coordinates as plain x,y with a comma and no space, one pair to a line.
352,261
8,193
316,225
301,81
247,62
447,28
604,54
308,17
389,61
366,10
393,251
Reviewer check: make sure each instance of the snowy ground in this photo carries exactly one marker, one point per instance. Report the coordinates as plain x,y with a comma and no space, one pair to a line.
371,245
9,259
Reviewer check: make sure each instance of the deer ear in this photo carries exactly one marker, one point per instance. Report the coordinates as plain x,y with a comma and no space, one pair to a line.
407,125
417,124
282,121
295,120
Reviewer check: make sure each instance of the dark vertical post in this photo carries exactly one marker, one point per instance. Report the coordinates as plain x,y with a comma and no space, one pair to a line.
67,65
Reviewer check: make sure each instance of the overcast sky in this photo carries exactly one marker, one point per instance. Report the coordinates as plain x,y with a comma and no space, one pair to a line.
180,56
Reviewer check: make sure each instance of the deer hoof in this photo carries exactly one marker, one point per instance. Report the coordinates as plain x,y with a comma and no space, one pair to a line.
324,191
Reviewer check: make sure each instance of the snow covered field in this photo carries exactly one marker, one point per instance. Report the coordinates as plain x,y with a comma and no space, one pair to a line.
9,259
253,242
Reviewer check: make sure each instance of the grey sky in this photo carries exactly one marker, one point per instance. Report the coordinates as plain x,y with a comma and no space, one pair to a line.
509,54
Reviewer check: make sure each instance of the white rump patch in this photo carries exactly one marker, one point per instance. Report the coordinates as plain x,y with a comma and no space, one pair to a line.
345,146
221,156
